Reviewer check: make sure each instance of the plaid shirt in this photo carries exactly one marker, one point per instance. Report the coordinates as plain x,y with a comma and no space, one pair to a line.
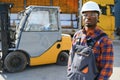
103,50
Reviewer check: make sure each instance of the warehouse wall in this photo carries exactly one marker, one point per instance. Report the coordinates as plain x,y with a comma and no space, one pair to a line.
66,6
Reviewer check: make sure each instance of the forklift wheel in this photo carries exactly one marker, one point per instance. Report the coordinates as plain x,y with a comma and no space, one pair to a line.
15,61
62,59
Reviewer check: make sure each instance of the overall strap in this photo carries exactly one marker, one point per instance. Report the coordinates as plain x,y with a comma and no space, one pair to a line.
91,42
101,35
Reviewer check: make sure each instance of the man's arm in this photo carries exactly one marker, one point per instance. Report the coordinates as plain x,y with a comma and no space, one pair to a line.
107,58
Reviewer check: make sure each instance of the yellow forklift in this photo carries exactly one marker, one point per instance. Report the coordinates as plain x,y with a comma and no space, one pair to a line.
37,40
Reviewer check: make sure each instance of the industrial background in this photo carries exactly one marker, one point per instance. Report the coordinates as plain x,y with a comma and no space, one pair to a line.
67,6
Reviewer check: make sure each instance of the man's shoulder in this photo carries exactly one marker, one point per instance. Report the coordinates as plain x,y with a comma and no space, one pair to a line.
105,39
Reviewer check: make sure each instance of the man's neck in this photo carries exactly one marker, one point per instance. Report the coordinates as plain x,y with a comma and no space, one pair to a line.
89,29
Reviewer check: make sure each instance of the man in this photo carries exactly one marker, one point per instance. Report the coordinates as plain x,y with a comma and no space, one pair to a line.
103,48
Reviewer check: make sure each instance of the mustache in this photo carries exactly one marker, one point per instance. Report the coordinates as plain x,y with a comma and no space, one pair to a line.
89,25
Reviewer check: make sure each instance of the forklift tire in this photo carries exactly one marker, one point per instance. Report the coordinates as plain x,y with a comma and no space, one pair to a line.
15,62
62,59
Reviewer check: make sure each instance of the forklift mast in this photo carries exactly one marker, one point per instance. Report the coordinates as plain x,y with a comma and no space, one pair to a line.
5,28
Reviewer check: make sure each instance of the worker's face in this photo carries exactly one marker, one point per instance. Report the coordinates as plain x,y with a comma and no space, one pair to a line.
90,18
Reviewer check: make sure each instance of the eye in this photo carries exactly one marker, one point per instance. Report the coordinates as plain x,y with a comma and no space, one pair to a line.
89,14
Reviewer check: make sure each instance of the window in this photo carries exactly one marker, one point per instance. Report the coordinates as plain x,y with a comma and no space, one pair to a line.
42,20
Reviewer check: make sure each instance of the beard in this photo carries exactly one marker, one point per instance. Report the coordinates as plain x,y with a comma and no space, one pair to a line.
89,25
